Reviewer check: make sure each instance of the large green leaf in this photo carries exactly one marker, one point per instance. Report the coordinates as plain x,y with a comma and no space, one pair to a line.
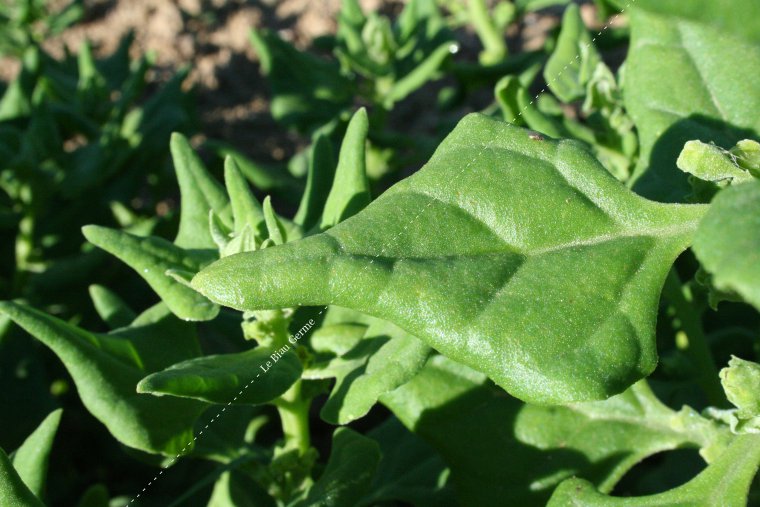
518,453
689,76
106,369
13,491
348,475
518,256
727,242
31,459
151,258
255,376
725,482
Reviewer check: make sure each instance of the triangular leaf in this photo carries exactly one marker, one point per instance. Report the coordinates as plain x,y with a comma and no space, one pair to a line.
31,459
318,182
246,210
350,188
200,193
547,275
13,491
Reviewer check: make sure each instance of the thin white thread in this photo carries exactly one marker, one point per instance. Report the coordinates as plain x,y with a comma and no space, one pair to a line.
467,166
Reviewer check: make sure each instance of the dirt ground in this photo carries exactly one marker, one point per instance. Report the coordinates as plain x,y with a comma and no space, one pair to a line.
212,38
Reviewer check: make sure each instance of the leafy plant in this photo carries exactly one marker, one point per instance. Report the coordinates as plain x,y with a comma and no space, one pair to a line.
516,323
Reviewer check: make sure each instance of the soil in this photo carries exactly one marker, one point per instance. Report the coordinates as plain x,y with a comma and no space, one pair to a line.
212,38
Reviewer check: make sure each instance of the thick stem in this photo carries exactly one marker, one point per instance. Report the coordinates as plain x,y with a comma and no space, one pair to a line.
695,343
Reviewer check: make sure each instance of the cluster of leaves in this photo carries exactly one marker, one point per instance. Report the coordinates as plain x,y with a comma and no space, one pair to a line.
516,305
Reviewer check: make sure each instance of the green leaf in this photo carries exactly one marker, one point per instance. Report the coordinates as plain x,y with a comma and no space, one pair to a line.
384,358
458,254
725,482
711,163
246,210
110,307
275,229
252,377
13,491
574,59
727,242
410,470
31,459
348,475
599,441
307,91
350,188
318,183
151,258
236,489
107,367
200,193
688,78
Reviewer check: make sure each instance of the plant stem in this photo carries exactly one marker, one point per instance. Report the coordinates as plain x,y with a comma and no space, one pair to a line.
294,415
696,344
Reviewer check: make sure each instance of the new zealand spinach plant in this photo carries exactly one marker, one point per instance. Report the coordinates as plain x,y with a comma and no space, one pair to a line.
560,307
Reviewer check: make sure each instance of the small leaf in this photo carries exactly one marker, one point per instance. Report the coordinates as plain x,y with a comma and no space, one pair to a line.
741,381
523,217
725,482
385,358
151,258
110,307
710,163
106,369
31,459
727,242
246,210
275,228
252,377
200,193
348,475
13,491
574,59
318,183
350,188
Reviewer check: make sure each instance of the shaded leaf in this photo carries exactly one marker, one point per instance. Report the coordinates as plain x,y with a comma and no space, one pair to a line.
524,218
725,482
110,307
253,376
689,80
520,452
727,242
106,369
348,475
151,258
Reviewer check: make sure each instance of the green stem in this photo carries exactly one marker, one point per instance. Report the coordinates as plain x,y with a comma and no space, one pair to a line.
294,415
493,42
695,345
